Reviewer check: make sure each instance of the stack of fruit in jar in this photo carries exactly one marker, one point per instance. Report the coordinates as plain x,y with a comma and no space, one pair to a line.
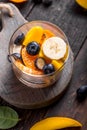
42,52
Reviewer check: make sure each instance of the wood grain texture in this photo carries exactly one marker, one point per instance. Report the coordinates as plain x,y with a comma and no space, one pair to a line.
72,19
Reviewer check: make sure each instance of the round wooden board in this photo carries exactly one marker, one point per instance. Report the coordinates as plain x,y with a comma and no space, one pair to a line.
11,89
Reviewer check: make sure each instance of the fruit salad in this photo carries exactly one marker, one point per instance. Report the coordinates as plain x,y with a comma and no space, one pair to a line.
41,53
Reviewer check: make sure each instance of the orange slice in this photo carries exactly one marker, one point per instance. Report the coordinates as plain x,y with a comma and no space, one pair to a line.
29,62
46,34
27,70
22,67
28,59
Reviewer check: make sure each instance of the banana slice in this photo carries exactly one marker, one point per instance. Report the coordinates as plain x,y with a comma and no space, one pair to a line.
54,48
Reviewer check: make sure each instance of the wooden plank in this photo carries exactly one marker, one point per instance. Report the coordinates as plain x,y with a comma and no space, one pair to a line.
59,14
68,16
25,8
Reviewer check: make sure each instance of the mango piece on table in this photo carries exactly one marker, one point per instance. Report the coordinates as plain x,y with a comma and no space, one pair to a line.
54,123
82,3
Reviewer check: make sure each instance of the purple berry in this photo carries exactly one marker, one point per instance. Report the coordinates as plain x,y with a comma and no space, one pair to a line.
33,48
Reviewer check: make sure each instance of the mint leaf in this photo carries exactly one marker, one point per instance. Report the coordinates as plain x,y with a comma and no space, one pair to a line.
8,117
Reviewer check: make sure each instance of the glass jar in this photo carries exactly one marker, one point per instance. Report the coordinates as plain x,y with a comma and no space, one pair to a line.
37,81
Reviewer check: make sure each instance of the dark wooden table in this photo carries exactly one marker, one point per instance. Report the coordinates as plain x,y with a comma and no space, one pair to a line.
73,21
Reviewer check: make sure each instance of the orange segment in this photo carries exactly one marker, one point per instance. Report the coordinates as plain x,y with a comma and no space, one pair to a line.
26,69
41,54
22,67
28,59
46,34
34,34
29,62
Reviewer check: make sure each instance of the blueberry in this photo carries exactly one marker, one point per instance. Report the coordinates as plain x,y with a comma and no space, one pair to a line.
19,39
15,56
39,63
48,68
47,2
33,48
37,1
81,93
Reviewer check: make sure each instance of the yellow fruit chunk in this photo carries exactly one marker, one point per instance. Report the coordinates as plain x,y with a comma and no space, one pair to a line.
18,1
42,55
54,123
48,33
82,3
57,64
34,34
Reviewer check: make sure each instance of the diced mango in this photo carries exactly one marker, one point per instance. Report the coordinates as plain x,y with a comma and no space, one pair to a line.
42,55
57,64
34,34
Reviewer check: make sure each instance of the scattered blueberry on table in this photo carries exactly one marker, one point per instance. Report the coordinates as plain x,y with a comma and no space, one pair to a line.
37,1
81,93
44,2
47,2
